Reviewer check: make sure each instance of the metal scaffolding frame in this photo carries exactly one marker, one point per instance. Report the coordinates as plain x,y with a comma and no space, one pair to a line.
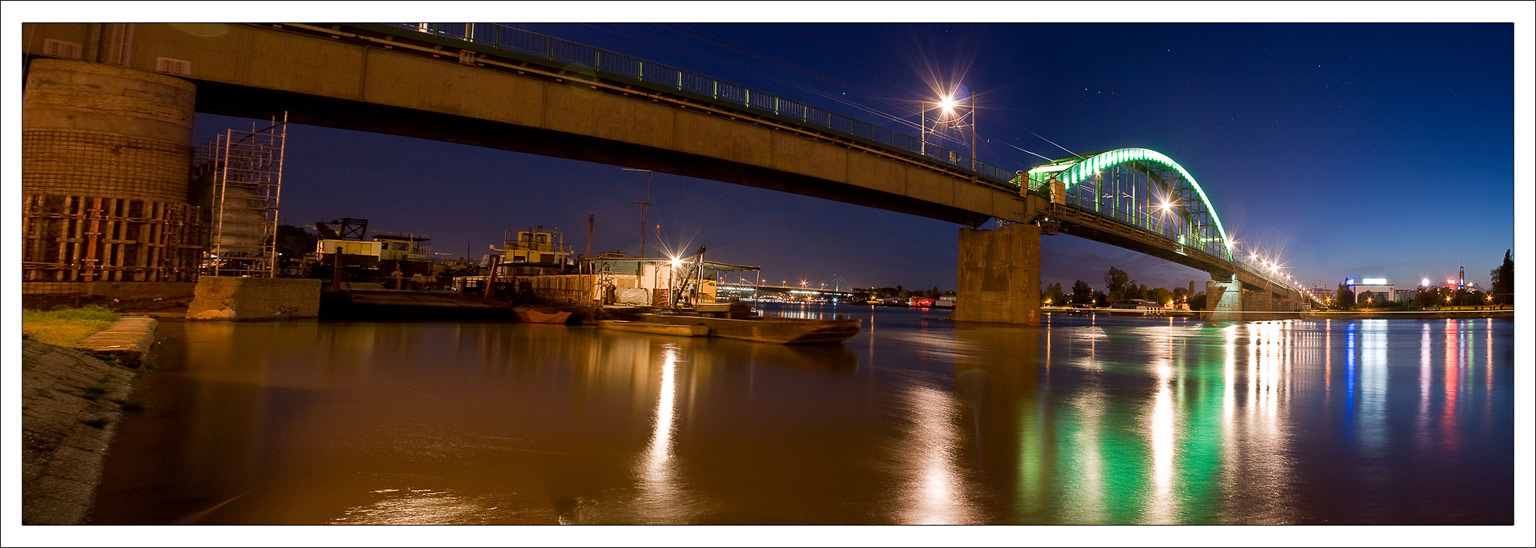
247,175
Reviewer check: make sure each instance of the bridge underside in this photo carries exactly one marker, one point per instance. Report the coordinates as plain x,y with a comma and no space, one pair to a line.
242,101
350,81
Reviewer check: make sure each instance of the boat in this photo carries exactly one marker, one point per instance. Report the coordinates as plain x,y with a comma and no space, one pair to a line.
733,321
655,328
1135,307
535,314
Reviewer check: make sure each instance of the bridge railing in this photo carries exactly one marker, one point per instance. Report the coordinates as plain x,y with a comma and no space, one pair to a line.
618,66
1212,249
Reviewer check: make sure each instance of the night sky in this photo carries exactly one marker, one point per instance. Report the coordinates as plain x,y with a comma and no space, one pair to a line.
1350,150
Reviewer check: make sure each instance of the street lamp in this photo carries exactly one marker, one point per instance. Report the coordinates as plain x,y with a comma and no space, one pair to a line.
947,105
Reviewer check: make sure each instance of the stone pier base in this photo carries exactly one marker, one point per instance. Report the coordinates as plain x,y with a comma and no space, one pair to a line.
1224,301
228,298
998,278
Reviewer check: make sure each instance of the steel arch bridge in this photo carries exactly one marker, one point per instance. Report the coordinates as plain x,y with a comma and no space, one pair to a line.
1141,199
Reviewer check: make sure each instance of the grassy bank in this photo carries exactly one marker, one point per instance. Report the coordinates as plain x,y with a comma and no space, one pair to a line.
67,327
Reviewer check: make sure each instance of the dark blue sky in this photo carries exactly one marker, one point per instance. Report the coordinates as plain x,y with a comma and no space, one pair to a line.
1364,150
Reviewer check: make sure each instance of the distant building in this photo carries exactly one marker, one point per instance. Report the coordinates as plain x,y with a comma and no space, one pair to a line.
1405,295
1375,290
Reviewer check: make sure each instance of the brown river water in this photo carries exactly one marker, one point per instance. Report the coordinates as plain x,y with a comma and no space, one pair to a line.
916,420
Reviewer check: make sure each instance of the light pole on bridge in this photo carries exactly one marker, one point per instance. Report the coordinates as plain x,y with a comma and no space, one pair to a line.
951,119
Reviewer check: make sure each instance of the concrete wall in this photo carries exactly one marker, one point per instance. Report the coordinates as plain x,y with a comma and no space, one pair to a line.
92,129
228,298
1224,300
998,278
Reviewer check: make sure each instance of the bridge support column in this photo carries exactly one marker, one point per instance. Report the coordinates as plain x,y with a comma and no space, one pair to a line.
998,277
105,167
1224,300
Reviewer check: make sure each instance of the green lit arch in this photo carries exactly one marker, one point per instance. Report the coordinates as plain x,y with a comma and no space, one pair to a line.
1072,171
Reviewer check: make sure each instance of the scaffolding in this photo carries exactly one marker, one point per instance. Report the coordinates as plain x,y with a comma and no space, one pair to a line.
242,174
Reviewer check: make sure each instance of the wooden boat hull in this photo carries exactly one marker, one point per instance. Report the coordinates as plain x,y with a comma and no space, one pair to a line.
770,330
534,315
654,328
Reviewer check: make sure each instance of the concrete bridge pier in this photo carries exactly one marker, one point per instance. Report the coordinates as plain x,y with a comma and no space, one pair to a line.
105,160
998,277
1224,299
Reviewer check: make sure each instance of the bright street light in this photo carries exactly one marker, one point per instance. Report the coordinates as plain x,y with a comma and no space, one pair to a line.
947,103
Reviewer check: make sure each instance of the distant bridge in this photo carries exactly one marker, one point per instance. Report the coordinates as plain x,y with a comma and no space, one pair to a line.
497,86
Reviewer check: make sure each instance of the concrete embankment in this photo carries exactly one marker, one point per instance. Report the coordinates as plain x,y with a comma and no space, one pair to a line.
71,403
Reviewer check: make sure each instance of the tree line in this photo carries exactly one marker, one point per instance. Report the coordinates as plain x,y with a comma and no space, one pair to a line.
1119,286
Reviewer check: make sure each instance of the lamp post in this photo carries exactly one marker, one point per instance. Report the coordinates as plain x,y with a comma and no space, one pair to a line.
947,105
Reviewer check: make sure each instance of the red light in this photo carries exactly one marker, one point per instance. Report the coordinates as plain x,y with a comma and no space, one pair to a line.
1450,281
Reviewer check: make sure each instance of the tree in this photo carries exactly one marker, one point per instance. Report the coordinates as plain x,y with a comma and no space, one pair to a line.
294,242
1100,299
1160,296
1132,290
1426,297
1054,295
1197,302
1504,280
1343,297
1082,293
1114,283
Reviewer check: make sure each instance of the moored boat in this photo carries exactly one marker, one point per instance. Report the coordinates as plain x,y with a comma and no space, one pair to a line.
534,314
1135,307
770,330
655,328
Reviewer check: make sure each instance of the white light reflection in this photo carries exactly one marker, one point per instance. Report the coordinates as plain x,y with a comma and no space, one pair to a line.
660,498
1488,363
1373,385
1424,382
1255,454
934,494
422,507
1163,508
1087,504
661,436
1229,381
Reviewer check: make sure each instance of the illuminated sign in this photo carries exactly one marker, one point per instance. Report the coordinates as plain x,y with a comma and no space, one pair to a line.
1374,281
1349,281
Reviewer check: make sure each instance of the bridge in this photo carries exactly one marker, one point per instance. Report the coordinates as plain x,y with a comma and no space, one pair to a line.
134,87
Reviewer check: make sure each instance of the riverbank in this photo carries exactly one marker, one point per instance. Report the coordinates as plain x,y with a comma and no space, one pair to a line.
71,402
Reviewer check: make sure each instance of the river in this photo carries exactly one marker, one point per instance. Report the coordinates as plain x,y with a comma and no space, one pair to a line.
1083,420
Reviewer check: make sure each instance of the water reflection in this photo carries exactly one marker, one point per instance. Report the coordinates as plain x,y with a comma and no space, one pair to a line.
934,494
1085,420
1163,508
1373,387
657,475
